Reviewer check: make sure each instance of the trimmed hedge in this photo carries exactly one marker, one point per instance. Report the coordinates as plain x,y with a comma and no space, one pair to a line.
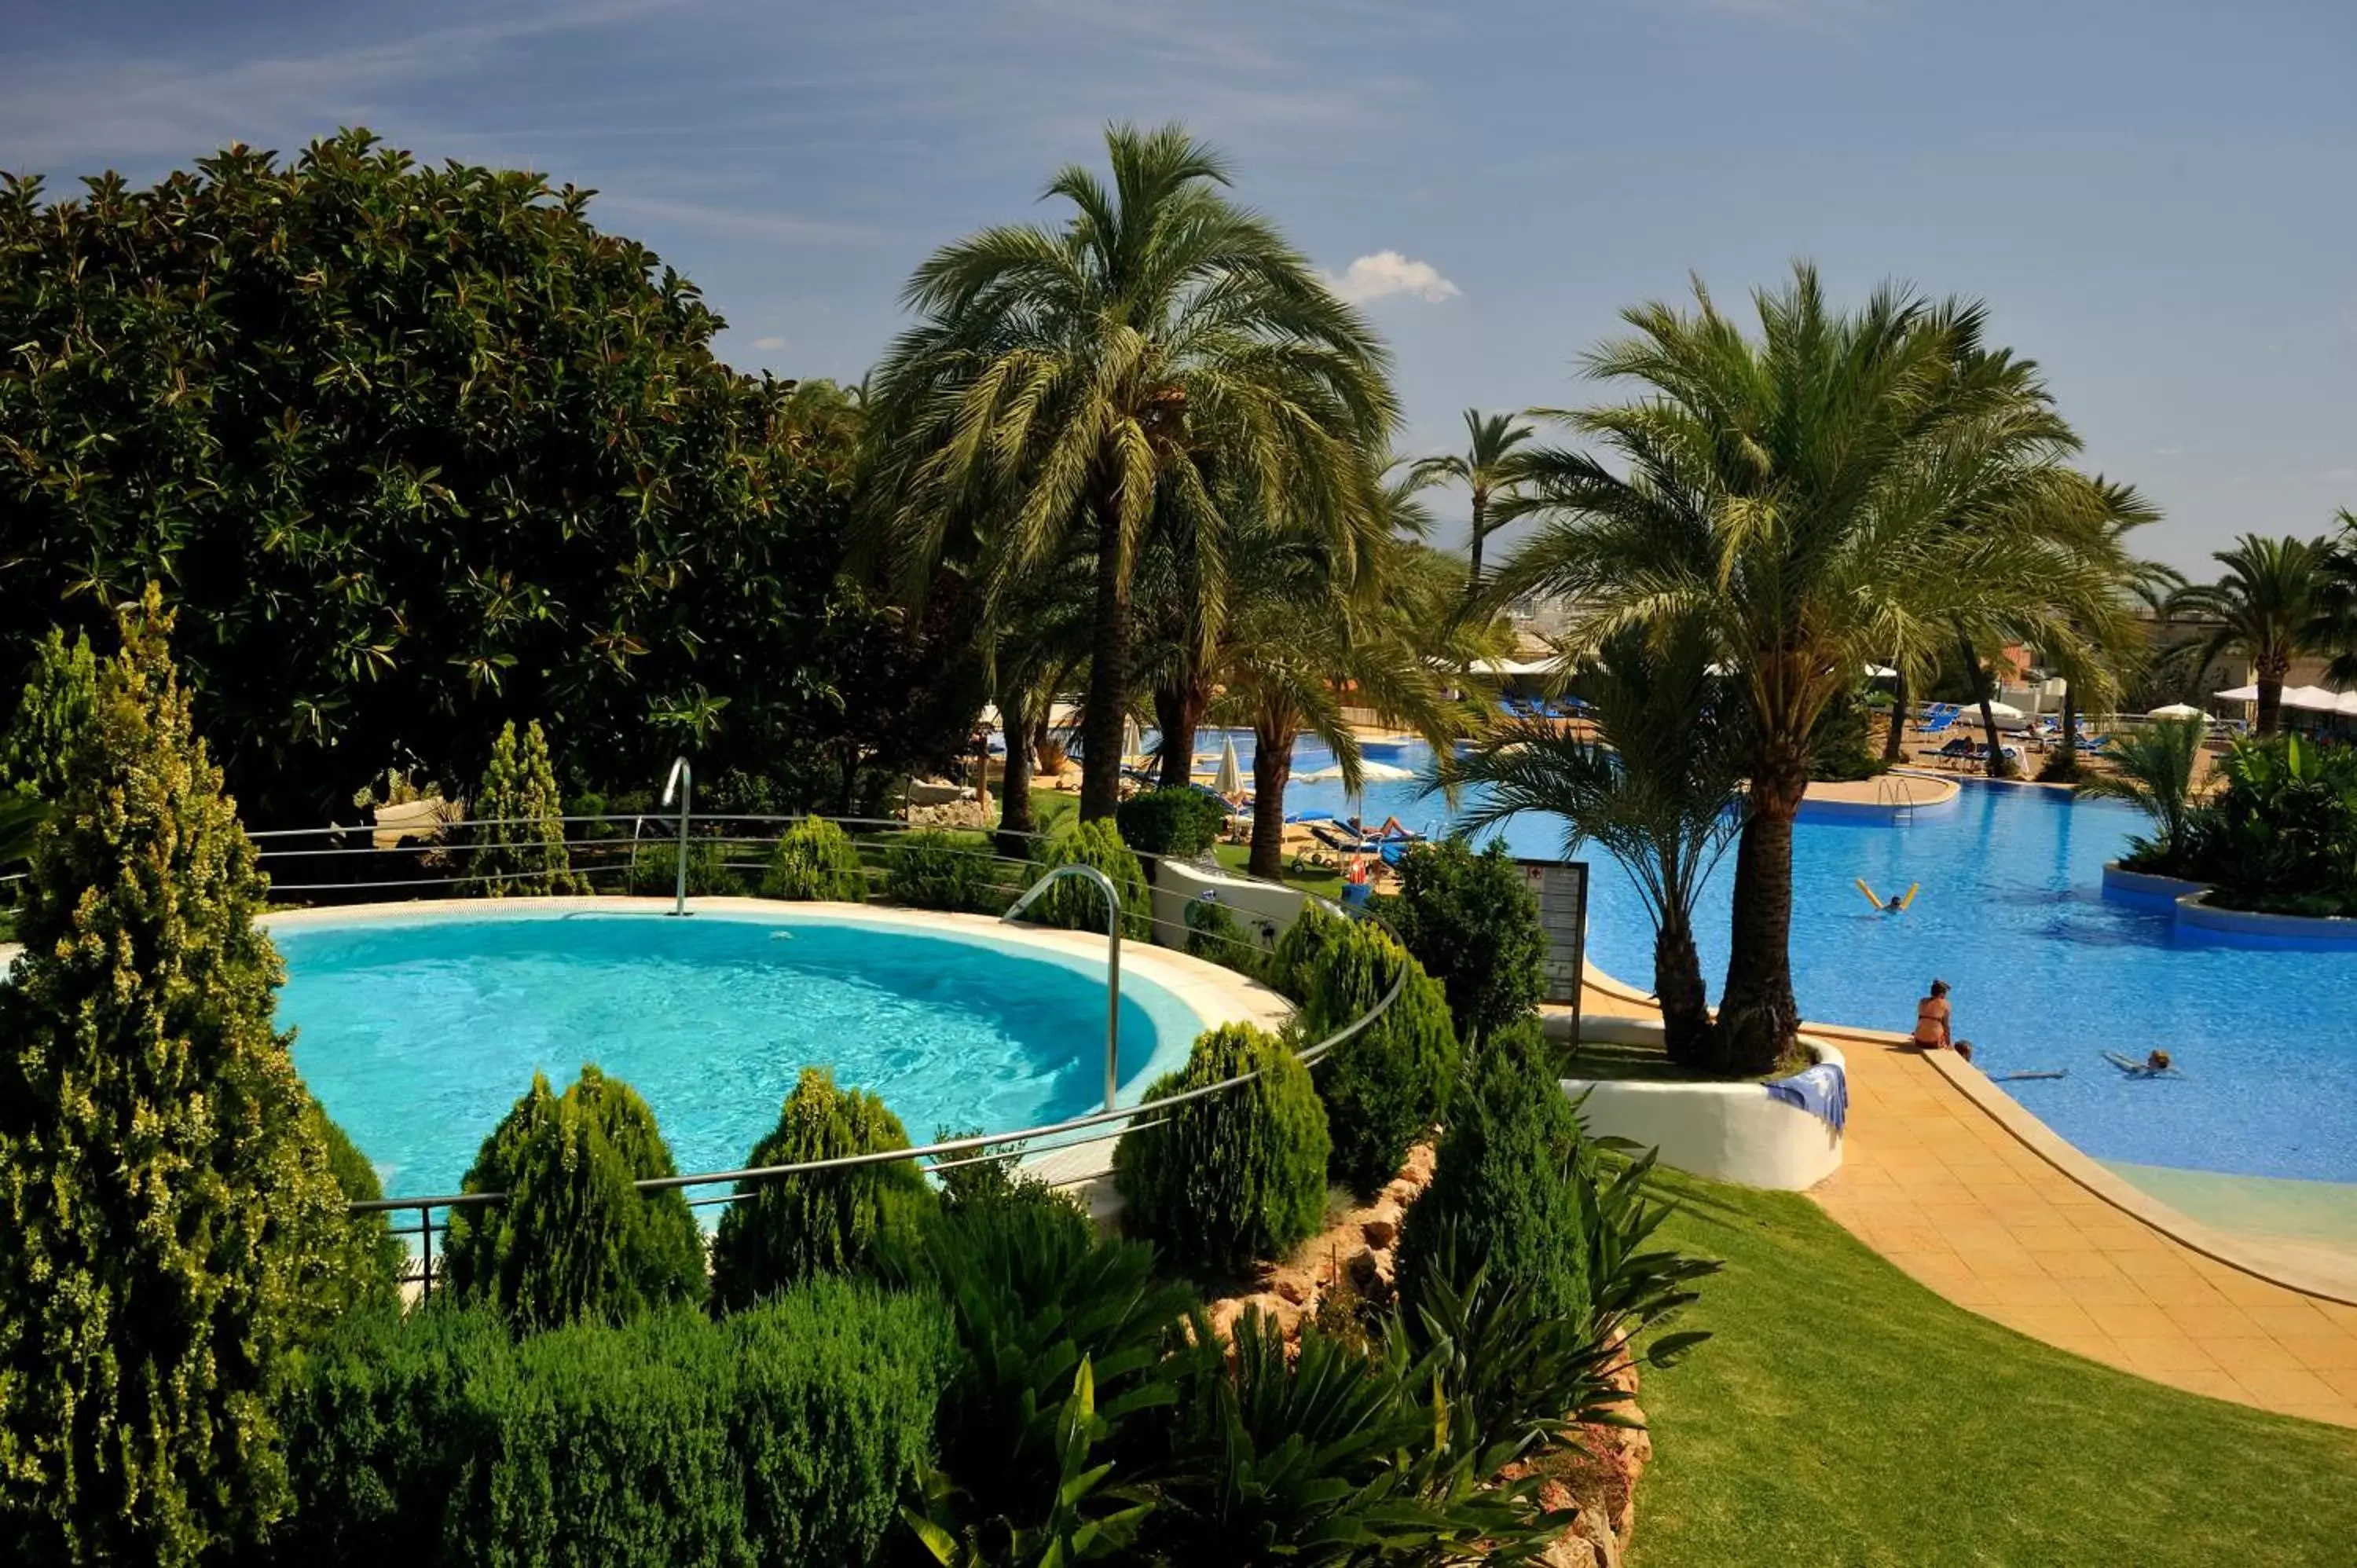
929,869
820,1223
1233,1179
1305,941
1180,823
1075,903
784,1435
1506,1183
1472,922
574,1240
815,859
1385,1086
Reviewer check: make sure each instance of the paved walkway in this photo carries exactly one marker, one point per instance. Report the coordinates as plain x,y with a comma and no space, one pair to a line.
1959,1196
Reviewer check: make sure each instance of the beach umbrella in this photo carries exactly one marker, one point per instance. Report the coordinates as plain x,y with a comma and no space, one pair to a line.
1132,742
1230,779
2175,710
2238,693
2003,710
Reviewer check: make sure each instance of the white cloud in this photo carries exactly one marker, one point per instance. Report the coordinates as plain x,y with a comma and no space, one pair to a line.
772,344
1387,273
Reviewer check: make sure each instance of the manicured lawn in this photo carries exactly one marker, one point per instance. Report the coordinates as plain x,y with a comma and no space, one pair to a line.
1844,1415
1325,881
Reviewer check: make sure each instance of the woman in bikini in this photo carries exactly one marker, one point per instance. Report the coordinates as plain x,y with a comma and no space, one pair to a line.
1931,1033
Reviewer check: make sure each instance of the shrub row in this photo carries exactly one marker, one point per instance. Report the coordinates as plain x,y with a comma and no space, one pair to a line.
784,1435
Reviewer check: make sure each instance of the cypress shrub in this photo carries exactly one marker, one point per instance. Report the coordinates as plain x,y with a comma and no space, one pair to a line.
785,1435
1473,923
929,869
1506,1185
1385,1086
519,839
52,718
1297,952
575,1238
1075,903
1214,935
167,1219
654,869
815,859
1180,823
1232,1178
366,1265
780,1232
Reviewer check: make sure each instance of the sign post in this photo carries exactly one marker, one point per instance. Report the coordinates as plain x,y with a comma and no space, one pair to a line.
1561,888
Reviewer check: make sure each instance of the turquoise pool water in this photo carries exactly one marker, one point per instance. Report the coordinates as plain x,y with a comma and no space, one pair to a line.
2048,973
417,1035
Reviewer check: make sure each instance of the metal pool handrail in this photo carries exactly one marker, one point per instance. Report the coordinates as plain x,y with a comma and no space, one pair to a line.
1104,885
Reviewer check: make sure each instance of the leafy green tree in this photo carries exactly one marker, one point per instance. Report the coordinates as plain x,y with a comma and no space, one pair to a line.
1486,468
2153,771
168,1221
53,716
2267,607
418,447
520,831
1472,924
1657,788
1080,379
574,1239
781,1231
1842,484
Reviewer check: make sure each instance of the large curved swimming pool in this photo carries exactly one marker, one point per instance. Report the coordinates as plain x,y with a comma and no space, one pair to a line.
418,1033
2048,974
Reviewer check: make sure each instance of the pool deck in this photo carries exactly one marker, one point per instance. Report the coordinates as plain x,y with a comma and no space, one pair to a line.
1947,1177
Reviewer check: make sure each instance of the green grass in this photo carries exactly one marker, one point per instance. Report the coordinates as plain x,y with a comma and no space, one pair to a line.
1843,1414
1605,1061
1323,881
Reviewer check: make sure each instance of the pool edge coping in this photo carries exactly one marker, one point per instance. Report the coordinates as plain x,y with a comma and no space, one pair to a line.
2069,1159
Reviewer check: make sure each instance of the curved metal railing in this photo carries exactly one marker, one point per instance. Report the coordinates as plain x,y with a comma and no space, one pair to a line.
1019,879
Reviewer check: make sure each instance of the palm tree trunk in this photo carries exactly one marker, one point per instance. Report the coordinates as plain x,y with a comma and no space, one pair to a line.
2270,719
1894,742
1108,671
1178,715
1473,547
2069,725
1687,1028
1757,1018
1981,684
1272,767
1015,821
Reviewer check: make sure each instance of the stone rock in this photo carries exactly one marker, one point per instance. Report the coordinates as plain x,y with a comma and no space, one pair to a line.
1379,1233
1292,1289
1224,1315
1554,1497
1416,1169
1569,1550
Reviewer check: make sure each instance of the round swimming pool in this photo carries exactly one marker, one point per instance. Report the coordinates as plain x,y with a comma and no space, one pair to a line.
2048,974
418,1033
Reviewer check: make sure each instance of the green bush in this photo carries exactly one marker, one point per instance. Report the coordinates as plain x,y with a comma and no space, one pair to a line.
1181,823
52,718
519,837
1385,1086
784,1435
1076,903
1471,921
575,1238
170,1228
654,869
781,1231
1305,941
1216,936
365,1268
930,869
815,859
1505,1190
1233,1179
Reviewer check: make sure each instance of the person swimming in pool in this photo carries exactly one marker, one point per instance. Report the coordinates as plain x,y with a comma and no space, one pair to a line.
1932,1024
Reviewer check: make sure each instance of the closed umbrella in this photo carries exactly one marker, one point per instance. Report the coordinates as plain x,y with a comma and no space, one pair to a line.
1230,779
2238,693
1132,742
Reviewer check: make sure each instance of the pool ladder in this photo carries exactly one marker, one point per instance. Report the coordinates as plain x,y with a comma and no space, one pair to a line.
1890,791
1112,958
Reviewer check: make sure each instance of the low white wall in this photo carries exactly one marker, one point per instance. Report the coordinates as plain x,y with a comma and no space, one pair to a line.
2145,889
1253,903
1727,1132
2336,931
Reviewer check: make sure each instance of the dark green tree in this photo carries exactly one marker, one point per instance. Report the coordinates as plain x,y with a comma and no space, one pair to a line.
167,1218
1385,1086
61,692
519,837
781,1231
574,1239
1472,922
421,448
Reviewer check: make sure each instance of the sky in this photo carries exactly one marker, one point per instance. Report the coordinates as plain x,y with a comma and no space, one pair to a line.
2154,199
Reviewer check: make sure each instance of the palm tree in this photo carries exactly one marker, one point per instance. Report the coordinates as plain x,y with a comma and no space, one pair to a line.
1814,497
2267,607
2336,620
1092,377
1486,467
2154,771
1037,638
1298,635
1657,790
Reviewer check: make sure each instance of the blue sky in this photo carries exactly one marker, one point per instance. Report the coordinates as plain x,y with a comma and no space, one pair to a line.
2155,198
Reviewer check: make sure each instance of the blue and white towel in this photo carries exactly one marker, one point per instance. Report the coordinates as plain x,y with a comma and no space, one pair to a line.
1821,1090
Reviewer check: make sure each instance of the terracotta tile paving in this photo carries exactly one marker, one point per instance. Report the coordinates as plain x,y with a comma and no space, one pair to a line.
1947,1193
